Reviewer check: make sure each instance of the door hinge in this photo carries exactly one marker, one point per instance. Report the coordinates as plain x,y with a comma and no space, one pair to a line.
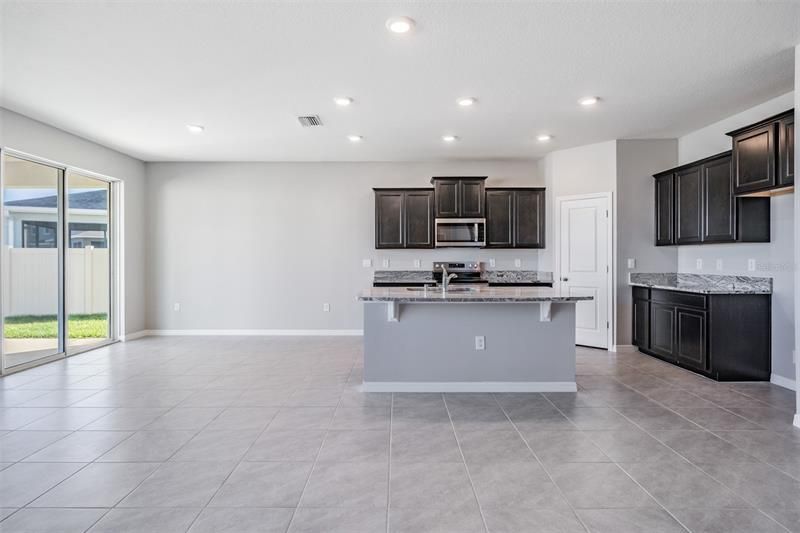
607,267
607,326
606,213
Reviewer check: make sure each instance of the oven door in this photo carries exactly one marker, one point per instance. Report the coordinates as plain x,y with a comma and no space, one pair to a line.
460,232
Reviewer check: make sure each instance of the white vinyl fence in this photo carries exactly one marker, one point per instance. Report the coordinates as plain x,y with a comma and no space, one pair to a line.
30,281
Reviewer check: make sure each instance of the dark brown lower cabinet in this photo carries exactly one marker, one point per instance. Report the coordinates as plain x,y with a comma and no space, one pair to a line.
722,336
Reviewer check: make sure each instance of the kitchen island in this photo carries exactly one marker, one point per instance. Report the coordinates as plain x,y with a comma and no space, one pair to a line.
469,339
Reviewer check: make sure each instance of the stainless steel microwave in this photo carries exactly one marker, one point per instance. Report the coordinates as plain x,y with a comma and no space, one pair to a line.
460,232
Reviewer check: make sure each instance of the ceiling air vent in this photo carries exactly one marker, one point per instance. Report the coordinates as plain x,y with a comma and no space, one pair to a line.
310,121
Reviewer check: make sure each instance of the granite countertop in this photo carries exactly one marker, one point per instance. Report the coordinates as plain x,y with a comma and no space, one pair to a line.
491,276
702,283
473,295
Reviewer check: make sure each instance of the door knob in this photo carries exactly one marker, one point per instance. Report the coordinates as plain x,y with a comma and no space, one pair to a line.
564,279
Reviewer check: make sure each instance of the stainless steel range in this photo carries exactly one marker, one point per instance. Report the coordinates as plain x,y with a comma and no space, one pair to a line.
465,272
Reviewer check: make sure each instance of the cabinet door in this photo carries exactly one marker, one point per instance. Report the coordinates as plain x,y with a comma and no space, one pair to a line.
665,209
662,330
690,339
472,199
389,219
786,155
499,219
529,219
719,204
641,323
689,206
419,219
754,154
448,198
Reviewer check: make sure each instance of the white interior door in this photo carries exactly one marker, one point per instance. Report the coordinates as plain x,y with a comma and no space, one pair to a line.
584,265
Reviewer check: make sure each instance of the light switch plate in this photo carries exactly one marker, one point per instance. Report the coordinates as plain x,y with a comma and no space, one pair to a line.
176,306
386,263
517,263
491,262
698,263
751,265
326,307
366,263
631,262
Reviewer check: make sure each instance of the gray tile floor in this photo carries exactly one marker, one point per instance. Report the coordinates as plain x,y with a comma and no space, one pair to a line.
272,434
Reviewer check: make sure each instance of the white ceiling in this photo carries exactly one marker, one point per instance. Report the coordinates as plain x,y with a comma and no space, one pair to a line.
131,75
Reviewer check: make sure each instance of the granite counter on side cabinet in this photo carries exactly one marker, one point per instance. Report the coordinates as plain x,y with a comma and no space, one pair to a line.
493,277
702,283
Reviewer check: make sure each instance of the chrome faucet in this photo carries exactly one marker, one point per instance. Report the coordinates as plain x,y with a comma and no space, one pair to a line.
446,278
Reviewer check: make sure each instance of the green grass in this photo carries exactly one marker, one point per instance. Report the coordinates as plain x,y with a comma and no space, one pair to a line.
46,326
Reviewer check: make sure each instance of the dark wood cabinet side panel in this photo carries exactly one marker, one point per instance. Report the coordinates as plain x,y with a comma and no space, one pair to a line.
740,336
529,219
389,219
787,136
499,219
419,219
664,207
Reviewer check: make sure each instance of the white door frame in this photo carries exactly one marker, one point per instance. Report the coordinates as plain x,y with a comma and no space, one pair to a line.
612,264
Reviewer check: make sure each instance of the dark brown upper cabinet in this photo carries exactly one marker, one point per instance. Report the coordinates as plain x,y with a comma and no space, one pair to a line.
665,208
689,205
761,154
404,218
515,218
695,204
459,197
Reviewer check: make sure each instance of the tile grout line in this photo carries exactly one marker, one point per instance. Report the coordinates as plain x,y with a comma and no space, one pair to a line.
389,474
541,463
464,461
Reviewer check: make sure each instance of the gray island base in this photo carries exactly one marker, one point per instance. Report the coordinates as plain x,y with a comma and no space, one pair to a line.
426,341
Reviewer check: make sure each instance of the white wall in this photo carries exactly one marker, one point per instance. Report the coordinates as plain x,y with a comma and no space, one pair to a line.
797,237
26,135
264,245
637,161
774,259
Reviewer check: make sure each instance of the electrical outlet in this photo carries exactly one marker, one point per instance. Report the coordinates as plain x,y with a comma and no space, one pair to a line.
176,306
719,264
751,265
386,263
366,263
631,263
480,342
698,263
491,262
417,263
326,307
517,263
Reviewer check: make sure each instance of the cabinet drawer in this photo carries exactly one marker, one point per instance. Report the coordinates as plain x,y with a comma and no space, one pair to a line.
641,293
679,298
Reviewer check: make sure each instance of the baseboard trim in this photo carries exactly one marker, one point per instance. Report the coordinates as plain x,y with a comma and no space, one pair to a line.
469,386
257,332
624,348
797,420
781,381
136,335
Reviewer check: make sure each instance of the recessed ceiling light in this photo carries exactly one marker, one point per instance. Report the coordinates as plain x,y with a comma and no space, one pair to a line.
544,138
343,101
355,138
588,101
466,101
449,138
195,128
400,24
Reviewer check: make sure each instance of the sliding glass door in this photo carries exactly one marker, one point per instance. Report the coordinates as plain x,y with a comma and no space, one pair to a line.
56,269
88,261
32,262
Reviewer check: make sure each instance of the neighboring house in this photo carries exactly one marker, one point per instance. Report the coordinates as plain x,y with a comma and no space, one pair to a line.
32,223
